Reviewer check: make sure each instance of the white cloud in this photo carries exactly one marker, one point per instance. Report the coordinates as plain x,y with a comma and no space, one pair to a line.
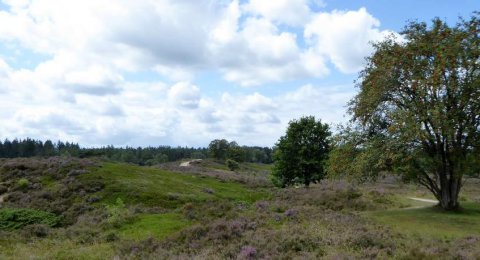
345,37
184,95
244,41
289,12
83,90
259,52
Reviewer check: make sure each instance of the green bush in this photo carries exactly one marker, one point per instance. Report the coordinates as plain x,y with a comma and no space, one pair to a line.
11,219
232,165
118,213
23,183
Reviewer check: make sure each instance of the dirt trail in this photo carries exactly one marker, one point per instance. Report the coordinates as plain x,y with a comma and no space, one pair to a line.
422,200
187,163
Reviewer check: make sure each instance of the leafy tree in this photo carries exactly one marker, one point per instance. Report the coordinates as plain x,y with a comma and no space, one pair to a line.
218,149
301,153
421,98
235,152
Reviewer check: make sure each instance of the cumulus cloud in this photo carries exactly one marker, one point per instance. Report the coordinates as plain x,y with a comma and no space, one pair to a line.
344,37
86,87
289,12
184,95
245,41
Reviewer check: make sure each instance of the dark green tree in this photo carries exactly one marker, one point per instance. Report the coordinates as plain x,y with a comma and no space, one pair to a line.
300,154
218,149
235,152
421,98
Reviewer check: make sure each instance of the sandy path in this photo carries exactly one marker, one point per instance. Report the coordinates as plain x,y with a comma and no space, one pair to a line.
185,164
424,200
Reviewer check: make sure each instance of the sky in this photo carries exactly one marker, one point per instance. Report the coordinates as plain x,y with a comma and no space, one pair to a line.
185,72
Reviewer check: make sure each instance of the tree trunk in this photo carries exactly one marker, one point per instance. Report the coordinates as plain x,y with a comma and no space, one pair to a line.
449,190
307,178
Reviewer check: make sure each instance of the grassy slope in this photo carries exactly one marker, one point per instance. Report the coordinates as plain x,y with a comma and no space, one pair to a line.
433,222
155,187
135,185
318,225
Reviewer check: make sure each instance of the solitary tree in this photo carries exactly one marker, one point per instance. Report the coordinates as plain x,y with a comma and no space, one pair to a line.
301,153
218,149
421,98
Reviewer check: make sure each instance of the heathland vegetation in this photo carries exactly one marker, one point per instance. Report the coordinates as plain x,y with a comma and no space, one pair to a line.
400,181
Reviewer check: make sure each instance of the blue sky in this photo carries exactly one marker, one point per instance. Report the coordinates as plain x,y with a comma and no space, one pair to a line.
183,72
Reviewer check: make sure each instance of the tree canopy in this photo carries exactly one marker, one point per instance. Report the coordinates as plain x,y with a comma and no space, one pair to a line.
301,153
419,106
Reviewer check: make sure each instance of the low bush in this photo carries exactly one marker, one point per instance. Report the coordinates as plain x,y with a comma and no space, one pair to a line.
11,219
37,230
232,165
23,183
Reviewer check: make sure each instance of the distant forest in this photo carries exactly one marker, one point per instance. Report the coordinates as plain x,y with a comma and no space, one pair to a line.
140,155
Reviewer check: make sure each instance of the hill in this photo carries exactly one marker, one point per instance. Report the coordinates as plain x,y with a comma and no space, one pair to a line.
70,208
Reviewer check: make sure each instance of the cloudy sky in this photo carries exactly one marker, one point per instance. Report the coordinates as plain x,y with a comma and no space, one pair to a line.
184,72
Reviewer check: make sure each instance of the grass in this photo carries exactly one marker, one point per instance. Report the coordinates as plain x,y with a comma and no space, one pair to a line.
433,222
55,249
257,167
155,187
157,226
196,212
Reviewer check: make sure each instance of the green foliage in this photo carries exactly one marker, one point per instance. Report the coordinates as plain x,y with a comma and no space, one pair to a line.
357,156
11,219
117,212
158,226
301,153
23,183
218,149
421,98
153,187
232,165
235,152
159,158
221,150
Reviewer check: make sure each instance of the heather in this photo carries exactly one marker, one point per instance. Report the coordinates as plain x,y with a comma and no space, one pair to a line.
91,209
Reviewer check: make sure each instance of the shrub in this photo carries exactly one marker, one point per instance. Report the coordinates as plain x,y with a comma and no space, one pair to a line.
11,219
248,252
37,230
23,183
232,165
118,214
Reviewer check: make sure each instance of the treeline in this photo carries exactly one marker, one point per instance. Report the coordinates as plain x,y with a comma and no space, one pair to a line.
140,155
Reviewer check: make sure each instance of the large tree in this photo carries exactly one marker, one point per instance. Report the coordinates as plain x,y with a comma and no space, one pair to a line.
419,102
300,154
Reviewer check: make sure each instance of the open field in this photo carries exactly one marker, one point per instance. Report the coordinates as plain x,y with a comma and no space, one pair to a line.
83,209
